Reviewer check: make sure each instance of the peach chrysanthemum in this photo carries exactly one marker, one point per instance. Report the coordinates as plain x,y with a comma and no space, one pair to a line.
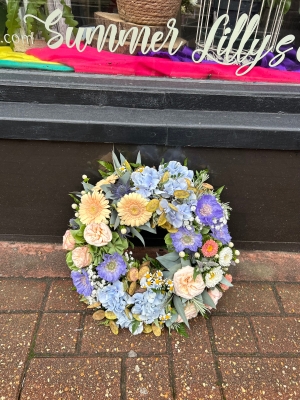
94,208
210,248
107,181
132,210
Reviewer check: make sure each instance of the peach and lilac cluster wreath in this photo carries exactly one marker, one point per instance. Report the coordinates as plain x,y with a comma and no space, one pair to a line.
150,294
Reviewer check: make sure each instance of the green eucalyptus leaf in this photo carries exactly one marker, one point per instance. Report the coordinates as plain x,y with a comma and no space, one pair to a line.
138,158
137,234
180,309
113,216
185,262
205,230
115,161
117,222
207,299
226,282
147,228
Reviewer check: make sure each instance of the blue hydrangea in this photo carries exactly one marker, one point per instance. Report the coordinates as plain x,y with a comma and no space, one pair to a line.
174,184
123,321
113,297
82,282
186,239
175,218
176,170
185,210
146,181
148,305
208,209
222,234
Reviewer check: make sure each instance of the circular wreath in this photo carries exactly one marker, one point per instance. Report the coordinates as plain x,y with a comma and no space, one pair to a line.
146,295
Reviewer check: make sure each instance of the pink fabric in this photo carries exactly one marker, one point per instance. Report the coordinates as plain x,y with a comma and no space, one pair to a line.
93,62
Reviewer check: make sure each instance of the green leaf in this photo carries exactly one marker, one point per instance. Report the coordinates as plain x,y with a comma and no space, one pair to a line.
207,299
135,325
13,23
137,234
147,228
220,190
117,222
70,263
180,309
185,262
125,178
115,161
205,230
107,165
113,216
168,239
168,260
226,282
287,6
171,271
87,186
68,16
122,158
76,199
185,162
138,158
181,329
196,273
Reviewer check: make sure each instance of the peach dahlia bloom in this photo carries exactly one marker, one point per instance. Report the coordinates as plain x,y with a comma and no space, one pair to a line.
97,234
132,210
93,208
81,257
185,285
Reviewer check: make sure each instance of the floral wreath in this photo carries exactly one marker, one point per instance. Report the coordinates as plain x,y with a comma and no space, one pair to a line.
148,295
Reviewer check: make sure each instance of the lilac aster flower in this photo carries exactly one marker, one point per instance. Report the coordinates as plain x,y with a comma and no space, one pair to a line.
81,282
222,234
185,239
208,208
119,190
112,267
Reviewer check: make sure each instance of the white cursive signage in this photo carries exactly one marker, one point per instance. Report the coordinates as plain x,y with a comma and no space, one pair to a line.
225,54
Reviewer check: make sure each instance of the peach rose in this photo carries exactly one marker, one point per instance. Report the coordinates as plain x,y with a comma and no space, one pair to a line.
229,278
185,285
68,241
81,257
97,234
215,295
190,312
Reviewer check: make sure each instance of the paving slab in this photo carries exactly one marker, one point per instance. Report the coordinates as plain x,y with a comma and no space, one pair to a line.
148,378
99,339
290,296
72,379
58,333
21,294
233,334
249,298
15,337
261,379
278,335
62,297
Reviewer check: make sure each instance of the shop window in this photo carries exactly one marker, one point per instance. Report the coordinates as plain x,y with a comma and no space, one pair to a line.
252,40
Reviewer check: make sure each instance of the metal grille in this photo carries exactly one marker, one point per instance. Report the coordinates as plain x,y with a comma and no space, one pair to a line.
270,12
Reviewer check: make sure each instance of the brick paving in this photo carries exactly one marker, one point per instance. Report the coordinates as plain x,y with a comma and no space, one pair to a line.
50,347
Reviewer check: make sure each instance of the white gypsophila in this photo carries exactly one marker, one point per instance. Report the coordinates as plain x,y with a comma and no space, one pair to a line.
225,257
193,2
213,277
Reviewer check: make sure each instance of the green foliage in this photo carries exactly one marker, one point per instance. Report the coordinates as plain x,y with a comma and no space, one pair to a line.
135,325
107,165
13,23
68,16
117,245
76,199
78,235
70,263
181,329
180,309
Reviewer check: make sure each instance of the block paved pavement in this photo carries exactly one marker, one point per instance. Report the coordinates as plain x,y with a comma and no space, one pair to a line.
50,347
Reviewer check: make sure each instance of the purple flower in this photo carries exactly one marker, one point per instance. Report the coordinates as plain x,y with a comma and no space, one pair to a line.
222,234
185,239
208,208
81,282
119,190
112,267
